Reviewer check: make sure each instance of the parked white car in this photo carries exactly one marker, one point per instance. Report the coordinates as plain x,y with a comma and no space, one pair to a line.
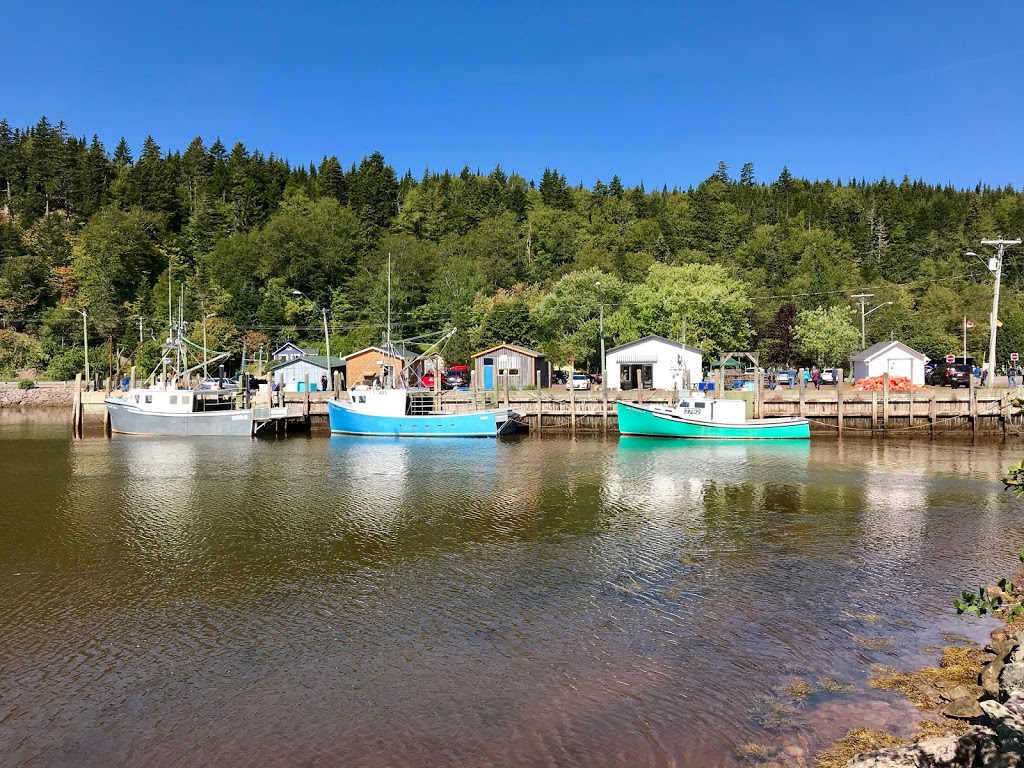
578,381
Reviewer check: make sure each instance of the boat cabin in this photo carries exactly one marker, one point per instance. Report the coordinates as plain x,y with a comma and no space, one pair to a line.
176,401
711,409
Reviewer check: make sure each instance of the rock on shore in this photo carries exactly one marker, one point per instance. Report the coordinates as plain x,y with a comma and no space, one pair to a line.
996,707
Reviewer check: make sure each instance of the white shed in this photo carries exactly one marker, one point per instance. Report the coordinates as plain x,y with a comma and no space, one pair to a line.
292,373
892,357
656,362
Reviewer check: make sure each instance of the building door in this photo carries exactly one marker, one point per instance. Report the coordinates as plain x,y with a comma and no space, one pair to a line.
488,373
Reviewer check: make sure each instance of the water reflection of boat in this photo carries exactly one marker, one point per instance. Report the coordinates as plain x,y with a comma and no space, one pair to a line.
387,478
706,418
664,473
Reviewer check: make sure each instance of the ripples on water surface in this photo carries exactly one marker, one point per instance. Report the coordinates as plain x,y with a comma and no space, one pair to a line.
366,602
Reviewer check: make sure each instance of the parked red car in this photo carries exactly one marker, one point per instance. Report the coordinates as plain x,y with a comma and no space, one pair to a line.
427,380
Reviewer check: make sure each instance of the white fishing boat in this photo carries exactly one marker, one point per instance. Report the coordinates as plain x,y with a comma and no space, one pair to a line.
165,408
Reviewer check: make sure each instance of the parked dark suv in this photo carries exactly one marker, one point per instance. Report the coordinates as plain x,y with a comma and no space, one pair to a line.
953,374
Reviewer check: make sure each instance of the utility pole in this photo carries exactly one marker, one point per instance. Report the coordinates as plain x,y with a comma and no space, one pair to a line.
140,330
863,300
995,265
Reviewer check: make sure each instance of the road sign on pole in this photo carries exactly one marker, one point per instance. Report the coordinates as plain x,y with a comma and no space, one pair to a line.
1014,356
950,358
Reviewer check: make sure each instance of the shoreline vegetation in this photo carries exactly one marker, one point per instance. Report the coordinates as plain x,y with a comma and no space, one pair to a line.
730,262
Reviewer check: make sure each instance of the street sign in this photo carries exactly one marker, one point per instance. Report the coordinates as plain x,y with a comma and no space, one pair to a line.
950,358
1014,356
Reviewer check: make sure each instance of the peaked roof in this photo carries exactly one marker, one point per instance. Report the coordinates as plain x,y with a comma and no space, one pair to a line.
514,347
319,361
395,352
655,337
287,344
879,349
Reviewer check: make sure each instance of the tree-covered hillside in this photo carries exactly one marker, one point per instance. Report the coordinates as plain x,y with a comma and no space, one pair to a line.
741,262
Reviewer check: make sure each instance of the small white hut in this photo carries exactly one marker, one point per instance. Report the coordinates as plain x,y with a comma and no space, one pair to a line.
653,362
892,357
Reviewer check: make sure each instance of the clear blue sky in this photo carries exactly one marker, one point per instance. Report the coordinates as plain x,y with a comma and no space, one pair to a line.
658,92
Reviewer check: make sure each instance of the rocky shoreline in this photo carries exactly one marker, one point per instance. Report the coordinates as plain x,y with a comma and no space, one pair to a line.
993,708
37,397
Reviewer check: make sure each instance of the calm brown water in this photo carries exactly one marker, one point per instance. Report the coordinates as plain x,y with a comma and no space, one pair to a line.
360,602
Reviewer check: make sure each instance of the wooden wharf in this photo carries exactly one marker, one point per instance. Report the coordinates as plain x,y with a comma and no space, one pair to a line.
834,409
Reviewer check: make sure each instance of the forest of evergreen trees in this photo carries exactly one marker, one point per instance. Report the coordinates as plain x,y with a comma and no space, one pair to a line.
747,263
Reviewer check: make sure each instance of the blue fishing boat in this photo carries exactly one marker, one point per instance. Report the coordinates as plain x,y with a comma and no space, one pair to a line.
387,411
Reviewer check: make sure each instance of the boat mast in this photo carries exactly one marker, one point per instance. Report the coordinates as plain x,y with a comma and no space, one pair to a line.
387,346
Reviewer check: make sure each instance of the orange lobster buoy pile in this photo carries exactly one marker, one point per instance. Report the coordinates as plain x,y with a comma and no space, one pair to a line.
874,384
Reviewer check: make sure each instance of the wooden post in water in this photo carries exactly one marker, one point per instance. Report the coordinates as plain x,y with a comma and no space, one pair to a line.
540,408
132,384
885,400
758,393
839,401
572,405
604,407
305,400
910,419
336,384
76,407
803,394
973,406
874,412
931,414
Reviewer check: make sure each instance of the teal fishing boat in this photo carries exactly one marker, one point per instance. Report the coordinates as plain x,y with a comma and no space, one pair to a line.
708,419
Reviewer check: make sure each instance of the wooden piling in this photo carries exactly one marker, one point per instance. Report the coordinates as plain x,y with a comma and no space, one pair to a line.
305,400
972,393
803,394
874,412
839,401
76,407
132,384
604,407
572,406
540,408
932,413
910,420
885,401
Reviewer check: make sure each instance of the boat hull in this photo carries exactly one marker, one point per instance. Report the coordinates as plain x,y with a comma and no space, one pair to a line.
644,420
348,421
128,420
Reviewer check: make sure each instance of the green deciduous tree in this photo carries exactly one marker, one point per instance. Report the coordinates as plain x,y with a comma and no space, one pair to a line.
117,259
714,304
827,336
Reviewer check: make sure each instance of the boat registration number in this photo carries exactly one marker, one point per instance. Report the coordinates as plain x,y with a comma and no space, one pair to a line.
691,411
240,417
